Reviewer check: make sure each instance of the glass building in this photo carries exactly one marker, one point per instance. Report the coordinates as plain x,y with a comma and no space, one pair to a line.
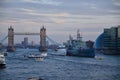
109,41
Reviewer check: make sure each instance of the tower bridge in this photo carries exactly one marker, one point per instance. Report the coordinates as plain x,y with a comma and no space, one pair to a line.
42,35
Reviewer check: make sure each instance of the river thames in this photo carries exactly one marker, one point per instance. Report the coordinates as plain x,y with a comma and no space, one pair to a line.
55,67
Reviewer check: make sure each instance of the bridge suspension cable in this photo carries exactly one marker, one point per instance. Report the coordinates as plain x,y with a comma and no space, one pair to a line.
52,41
1,41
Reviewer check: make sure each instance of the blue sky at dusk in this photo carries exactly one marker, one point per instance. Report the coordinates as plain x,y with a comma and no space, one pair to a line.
60,17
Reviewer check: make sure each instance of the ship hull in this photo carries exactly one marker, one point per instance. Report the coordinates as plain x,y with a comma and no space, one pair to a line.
2,61
81,53
2,66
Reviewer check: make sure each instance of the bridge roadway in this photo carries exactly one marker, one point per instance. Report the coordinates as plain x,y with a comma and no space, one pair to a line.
48,38
27,33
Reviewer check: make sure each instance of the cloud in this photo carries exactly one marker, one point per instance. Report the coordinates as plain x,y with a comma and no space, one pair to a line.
90,5
24,15
61,16
116,2
47,2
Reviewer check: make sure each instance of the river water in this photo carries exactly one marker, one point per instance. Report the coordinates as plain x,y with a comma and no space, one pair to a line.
55,67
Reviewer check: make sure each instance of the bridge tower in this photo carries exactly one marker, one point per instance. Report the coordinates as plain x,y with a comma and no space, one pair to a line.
43,46
10,40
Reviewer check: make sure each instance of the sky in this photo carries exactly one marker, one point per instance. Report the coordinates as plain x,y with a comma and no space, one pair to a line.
60,17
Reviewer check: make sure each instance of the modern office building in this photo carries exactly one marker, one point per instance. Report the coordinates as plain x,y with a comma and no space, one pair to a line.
32,43
111,40
118,39
26,41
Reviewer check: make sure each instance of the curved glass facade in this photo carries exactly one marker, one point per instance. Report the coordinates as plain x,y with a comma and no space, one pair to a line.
99,42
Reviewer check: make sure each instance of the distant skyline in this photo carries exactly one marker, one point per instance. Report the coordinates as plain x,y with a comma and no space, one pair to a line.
60,17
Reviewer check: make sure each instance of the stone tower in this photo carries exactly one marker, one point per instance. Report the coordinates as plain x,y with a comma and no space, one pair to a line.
10,39
43,39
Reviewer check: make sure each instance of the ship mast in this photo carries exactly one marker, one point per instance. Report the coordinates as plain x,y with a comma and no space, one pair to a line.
78,35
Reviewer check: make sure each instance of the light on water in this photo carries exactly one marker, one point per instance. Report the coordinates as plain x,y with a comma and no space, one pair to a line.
56,67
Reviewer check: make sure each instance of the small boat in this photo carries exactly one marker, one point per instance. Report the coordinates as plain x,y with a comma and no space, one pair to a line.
35,56
39,59
44,54
61,51
2,56
2,61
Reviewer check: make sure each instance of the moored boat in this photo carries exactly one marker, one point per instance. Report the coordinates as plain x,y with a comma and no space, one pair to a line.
2,61
61,51
80,48
81,52
35,56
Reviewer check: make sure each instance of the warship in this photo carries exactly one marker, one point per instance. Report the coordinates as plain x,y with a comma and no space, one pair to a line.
77,47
